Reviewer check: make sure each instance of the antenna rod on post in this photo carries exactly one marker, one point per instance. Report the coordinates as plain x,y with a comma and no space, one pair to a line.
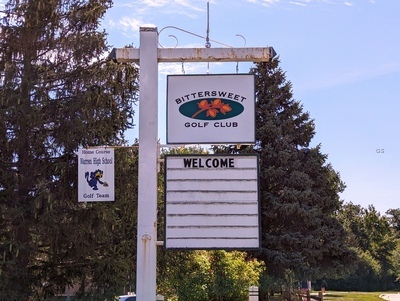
208,44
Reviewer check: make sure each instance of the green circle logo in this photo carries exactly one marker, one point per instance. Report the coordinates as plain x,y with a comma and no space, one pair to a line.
211,109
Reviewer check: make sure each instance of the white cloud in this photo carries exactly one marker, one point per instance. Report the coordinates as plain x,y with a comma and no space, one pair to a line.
129,26
187,4
178,68
264,2
187,68
154,3
348,3
298,3
120,14
173,4
269,2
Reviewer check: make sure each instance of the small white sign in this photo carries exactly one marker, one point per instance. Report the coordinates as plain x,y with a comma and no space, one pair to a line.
95,174
210,109
211,202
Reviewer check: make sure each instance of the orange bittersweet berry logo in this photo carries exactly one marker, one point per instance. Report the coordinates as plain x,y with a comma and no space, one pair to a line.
213,108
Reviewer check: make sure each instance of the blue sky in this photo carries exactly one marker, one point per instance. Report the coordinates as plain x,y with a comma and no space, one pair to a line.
342,57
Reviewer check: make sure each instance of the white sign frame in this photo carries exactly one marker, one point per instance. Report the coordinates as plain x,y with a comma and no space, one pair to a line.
96,175
212,202
211,109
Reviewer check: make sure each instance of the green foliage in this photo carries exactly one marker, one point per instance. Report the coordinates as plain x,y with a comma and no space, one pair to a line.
185,150
208,275
352,296
375,240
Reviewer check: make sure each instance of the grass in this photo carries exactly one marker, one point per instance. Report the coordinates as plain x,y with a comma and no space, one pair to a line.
347,296
353,296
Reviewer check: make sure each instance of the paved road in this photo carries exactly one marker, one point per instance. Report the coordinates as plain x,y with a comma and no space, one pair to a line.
391,297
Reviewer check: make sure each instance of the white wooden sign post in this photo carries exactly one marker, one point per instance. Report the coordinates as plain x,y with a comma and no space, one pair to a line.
148,56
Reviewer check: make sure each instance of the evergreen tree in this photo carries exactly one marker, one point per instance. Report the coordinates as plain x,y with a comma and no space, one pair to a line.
299,189
57,93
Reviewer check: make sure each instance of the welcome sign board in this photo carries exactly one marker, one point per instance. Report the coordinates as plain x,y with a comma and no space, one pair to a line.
95,174
210,109
211,202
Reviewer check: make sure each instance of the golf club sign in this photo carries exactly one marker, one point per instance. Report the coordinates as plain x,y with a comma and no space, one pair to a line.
210,109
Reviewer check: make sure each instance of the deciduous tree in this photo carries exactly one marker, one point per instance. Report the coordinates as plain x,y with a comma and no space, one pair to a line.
214,275
375,240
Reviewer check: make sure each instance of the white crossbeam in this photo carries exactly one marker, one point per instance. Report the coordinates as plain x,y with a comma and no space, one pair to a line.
169,55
